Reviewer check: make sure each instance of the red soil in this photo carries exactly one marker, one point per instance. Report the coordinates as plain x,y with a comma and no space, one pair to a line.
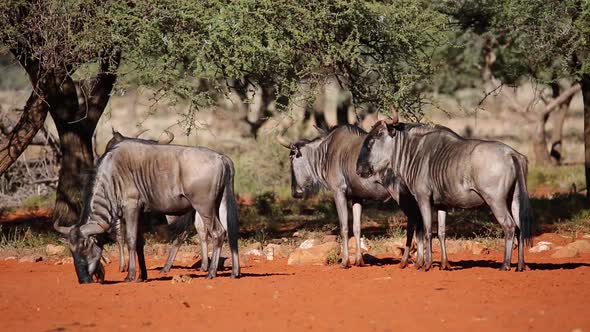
25,215
272,296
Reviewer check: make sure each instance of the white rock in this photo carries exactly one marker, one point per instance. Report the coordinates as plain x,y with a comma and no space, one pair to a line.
309,243
541,246
253,252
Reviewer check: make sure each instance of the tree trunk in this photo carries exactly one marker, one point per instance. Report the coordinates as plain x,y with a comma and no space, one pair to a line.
585,82
540,141
539,137
558,118
75,124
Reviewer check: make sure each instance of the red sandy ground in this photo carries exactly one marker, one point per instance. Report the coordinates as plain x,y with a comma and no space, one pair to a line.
272,296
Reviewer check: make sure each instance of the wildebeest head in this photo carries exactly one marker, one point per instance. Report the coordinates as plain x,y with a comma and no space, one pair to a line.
86,246
304,178
375,156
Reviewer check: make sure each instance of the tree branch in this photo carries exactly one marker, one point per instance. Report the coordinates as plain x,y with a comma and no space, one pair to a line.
22,134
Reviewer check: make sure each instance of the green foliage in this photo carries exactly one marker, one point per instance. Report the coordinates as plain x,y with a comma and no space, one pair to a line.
543,40
379,51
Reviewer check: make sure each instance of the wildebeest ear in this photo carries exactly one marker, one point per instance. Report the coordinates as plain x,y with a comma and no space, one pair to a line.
392,129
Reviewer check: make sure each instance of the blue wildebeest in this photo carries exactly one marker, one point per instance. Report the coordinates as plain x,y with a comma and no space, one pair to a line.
181,224
135,176
329,162
444,170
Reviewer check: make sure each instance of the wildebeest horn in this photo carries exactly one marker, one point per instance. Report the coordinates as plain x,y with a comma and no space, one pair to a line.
168,140
282,141
322,131
91,229
62,229
139,133
392,119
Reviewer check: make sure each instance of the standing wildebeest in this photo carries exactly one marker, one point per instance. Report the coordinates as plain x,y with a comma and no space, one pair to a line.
443,169
330,162
135,176
181,224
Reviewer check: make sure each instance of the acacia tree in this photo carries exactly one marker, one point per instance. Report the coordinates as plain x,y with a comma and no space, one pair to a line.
189,50
51,40
512,40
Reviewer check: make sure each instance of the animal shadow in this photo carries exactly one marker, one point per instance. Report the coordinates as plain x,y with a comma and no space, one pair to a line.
468,264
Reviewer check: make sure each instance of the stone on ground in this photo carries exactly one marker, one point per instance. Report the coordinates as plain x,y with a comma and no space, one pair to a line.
52,249
309,243
316,255
582,246
30,259
541,246
565,252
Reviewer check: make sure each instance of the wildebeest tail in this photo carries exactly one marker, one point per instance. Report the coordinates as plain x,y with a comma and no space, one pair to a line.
525,211
231,221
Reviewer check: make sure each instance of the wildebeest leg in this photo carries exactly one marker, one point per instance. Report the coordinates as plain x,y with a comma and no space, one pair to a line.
426,212
342,208
121,243
500,211
175,245
140,255
172,254
217,237
408,205
202,233
515,206
356,229
131,221
442,217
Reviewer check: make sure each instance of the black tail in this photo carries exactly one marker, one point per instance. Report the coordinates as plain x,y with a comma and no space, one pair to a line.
525,211
231,216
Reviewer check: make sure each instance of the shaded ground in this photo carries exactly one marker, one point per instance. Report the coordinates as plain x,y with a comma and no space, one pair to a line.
553,296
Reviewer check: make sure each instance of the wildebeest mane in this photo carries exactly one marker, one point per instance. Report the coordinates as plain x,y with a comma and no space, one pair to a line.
352,129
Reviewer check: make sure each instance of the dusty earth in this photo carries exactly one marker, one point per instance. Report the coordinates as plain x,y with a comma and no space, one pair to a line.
554,295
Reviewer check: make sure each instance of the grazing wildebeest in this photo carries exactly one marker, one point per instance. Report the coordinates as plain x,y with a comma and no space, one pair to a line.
442,169
135,176
329,161
184,221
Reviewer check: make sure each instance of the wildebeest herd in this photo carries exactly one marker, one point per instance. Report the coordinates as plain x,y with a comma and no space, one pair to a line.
422,167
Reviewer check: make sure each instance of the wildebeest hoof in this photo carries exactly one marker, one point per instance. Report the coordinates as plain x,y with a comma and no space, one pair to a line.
445,266
128,279
403,264
504,268
520,269
236,276
344,266
162,271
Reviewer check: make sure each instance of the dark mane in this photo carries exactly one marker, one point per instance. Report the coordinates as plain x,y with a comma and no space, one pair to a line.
350,128
353,129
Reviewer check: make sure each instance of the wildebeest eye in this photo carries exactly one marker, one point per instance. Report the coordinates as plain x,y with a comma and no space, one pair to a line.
295,153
